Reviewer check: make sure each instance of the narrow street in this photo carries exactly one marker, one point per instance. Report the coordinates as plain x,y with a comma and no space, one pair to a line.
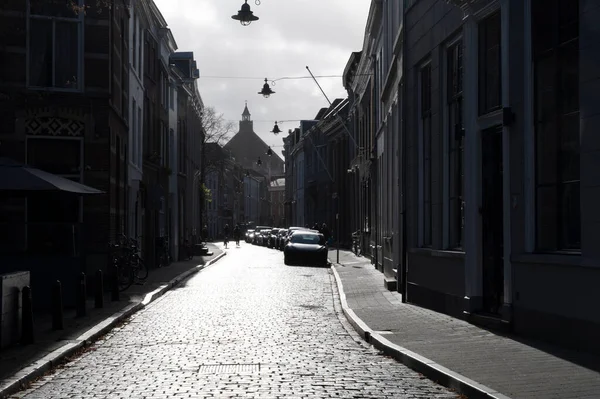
247,326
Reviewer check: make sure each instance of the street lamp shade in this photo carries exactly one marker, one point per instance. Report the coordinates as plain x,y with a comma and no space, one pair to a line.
276,129
266,90
245,15
269,152
258,162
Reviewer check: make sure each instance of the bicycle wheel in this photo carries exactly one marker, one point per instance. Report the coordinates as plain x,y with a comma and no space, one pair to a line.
125,277
141,271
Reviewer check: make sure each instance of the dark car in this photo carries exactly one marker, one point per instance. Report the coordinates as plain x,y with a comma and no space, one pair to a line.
262,236
305,248
257,234
290,231
272,237
279,242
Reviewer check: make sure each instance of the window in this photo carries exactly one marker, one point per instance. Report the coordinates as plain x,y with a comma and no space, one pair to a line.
124,69
54,56
161,132
134,43
456,143
140,50
557,142
140,138
425,82
133,130
490,79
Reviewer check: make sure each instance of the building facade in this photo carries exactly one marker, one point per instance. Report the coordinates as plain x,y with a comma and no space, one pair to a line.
471,184
499,145
102,111
65,109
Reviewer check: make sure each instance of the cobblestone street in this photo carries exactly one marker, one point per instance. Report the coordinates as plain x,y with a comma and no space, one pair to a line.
248,326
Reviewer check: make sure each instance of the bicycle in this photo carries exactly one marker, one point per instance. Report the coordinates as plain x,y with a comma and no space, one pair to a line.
130,266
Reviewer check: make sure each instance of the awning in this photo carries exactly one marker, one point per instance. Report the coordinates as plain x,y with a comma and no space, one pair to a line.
18,178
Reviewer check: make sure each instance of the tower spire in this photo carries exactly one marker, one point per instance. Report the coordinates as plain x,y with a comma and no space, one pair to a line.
246,113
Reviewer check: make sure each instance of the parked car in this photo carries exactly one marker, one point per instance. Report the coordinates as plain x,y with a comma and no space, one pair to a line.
305,248
279,243
256,236
272,238
262,236
290,230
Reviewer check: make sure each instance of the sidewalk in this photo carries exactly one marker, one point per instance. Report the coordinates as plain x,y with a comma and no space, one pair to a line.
475,361
22,364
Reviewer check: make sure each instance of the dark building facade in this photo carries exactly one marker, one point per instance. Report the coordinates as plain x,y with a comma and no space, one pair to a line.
501,144
64,108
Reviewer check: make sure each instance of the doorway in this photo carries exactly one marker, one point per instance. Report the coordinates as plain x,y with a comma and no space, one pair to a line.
492,219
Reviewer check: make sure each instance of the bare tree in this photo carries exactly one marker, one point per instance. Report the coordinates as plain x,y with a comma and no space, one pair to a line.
216,128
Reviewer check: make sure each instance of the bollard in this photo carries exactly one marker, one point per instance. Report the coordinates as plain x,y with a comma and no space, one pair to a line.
99,286
26,317
57,307
81,296
115,284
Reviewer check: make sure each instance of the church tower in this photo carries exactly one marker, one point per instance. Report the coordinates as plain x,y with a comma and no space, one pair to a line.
246,147
246,124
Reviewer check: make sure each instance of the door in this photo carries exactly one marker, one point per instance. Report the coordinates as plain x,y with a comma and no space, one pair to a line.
492,219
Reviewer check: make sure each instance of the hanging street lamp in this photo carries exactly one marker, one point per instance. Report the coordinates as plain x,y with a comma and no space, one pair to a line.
258,162
266,90
276,129
269,152
245,15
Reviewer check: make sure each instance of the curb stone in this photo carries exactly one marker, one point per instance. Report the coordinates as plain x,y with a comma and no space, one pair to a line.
421,364
39,367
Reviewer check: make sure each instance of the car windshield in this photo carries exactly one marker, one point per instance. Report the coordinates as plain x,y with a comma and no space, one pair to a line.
301,238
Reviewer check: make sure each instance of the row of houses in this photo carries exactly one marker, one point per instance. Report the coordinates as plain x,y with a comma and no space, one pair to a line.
466,160
100,95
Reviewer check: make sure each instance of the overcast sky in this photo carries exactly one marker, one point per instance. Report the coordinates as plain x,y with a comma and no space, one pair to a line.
290,35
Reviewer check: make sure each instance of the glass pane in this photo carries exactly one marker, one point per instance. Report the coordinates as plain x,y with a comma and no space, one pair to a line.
544,20
545,86
55,155
54,8
546,217
40,53
570,216
568,59
568,20
546,153
66,52
569,148
489,64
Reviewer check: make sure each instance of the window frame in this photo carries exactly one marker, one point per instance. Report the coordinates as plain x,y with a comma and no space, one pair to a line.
455,152
483,107
79,21
424,105
553,53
